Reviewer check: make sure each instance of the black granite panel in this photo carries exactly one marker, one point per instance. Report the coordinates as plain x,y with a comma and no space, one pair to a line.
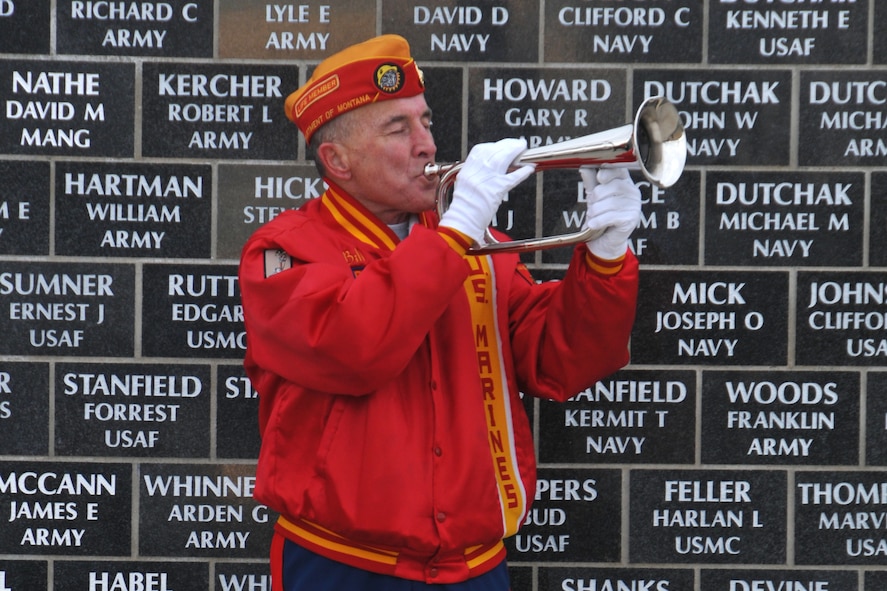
132,410
708,517
543,106
839,518
878,220
171,28
24,408
67,309
24,207
131,576
192,311
70,509
711,317
25,26
231,111
241,576
460,31
669,229
795,418
584,578
876,419
841,318
842,118
201,510
731,117
781,219
632,417
237,409
58,108
804,33
23,574
127,210
575,516
767,580
644,31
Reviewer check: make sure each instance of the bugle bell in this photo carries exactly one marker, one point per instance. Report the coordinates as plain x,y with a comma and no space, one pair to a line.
655,144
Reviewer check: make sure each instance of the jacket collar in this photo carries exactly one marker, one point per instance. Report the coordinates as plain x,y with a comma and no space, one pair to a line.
358,221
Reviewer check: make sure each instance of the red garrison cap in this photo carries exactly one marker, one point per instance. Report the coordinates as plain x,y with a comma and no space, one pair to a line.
375,70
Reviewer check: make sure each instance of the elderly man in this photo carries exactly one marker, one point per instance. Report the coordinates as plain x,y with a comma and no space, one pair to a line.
390,364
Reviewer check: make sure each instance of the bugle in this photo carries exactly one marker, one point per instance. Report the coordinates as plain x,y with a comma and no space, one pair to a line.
655,144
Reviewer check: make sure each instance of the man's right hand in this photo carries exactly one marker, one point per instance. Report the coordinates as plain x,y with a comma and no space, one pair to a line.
482,184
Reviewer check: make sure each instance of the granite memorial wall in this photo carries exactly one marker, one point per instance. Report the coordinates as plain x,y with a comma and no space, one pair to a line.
743,449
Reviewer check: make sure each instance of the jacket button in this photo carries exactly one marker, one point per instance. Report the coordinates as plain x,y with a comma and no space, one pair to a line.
432,572
441,516
438,451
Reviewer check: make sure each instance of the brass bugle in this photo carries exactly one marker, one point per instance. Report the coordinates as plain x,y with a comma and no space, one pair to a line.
655,144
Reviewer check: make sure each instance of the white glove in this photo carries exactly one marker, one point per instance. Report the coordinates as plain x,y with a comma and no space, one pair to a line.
482,184
613,205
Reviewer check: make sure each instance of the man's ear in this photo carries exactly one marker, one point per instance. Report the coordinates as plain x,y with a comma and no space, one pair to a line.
334,158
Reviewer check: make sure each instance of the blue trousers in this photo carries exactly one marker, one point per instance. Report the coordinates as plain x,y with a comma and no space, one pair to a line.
303,570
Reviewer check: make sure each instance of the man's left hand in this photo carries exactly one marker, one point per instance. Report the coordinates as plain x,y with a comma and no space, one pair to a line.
613,208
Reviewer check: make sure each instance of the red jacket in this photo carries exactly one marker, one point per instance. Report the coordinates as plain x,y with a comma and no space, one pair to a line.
393,433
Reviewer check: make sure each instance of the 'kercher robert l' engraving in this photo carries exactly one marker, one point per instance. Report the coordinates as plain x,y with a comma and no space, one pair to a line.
218,111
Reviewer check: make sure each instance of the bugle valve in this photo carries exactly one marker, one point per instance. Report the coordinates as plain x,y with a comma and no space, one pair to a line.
655,143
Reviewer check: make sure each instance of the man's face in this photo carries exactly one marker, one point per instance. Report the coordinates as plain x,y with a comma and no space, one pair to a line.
388,146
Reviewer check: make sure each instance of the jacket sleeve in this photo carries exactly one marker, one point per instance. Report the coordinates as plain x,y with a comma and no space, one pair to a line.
566,335
321,326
